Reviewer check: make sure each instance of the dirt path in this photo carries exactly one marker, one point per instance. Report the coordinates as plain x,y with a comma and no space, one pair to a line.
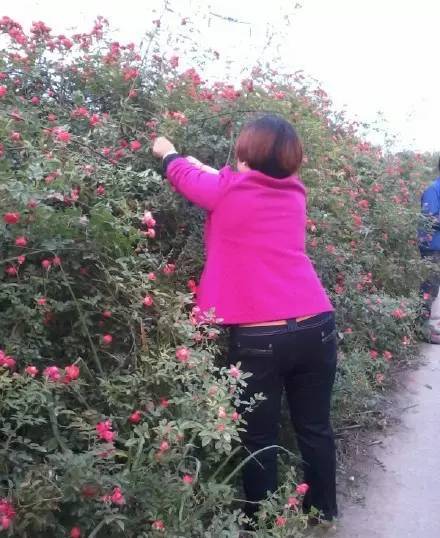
402,496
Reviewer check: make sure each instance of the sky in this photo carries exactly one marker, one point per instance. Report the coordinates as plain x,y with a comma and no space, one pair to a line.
375,58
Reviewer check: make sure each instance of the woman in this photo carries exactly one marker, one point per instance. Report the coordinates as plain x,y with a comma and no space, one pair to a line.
259,281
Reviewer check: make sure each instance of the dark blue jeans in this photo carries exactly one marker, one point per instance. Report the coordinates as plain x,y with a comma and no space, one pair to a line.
299,358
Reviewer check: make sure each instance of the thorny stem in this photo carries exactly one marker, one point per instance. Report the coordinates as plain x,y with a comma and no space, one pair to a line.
251,456
54,423
7,260
225,462
97,529
83,324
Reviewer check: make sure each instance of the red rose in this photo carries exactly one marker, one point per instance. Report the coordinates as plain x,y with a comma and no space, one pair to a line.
11,218
72,372
164,403
11,270
75,532
135,417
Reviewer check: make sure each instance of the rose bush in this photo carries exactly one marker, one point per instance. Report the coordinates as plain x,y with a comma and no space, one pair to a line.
116,419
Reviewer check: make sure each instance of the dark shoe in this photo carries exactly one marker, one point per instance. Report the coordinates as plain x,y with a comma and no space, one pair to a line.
435,338
315,521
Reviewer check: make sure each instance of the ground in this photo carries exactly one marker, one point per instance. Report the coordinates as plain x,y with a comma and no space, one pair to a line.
400,496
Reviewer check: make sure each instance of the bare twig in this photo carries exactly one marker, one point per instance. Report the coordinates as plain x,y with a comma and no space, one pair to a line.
352,427
229,19
409,407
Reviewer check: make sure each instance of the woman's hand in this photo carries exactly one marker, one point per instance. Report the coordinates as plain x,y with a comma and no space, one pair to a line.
162,146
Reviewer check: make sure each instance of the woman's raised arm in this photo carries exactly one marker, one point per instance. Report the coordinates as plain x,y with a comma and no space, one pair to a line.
198,186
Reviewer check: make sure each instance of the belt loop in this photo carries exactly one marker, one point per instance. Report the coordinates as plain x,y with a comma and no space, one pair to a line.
292,325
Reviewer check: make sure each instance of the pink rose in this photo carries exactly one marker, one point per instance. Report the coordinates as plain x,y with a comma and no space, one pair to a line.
63,136
292,502
158,525
234,372
52,373
280,521
164,446
107,339
169,269
135,145
182,354
302,489
187,479
21,241
222,413
104,431
148,301
117,497
31,370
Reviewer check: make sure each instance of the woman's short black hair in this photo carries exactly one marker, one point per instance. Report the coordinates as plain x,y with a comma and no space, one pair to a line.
270,145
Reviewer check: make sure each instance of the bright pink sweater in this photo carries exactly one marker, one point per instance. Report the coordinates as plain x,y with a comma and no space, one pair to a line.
256,266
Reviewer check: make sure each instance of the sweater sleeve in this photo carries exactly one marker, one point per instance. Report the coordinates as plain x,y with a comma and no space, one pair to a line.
430,202
201,188
431,205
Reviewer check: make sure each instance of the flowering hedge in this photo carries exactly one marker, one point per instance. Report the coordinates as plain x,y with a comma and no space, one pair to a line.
116,419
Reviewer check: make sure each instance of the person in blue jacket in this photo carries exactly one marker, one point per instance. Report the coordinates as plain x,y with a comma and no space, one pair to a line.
429,241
